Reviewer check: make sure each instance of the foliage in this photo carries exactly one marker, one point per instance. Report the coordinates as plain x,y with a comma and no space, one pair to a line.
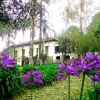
28,67
97,90
89,94
84,43
94,23
97,31
10,80
48,72
43,57
10,84
73,29
65,44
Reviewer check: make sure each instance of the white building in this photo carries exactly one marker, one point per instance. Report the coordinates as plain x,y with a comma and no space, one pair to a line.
51,48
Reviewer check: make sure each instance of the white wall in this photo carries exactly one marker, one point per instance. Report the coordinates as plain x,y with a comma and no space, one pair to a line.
51,51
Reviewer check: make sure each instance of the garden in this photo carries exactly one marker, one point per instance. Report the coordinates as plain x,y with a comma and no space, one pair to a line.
33,73
53,81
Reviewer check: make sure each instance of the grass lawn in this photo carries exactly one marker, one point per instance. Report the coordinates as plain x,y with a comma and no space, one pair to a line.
57,91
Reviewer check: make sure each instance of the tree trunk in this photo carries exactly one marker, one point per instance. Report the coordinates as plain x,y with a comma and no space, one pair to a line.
15,45
8,43
40,35
22,48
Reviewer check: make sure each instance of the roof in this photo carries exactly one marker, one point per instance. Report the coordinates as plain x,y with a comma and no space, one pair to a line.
35,42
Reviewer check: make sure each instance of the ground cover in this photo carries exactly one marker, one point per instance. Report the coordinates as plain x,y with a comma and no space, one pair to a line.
57,90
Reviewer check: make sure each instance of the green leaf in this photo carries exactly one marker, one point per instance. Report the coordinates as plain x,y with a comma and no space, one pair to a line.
99,97
90,95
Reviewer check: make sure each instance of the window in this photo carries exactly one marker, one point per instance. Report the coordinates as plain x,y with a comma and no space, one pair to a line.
46,50
30,52
57,49
37,51
16,53
23,52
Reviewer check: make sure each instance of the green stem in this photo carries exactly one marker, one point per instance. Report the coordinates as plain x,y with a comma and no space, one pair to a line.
31,88
31,91
82,86
94,92
69,87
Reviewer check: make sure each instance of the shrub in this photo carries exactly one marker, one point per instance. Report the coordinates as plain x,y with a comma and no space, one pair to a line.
28,67
48,71
10,81
10,84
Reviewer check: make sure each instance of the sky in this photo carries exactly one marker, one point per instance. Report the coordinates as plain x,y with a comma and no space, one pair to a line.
55,19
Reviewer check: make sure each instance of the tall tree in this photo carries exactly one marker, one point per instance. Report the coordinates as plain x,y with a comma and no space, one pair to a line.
94,23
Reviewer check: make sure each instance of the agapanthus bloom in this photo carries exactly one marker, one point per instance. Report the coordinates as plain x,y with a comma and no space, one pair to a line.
88,64
7,62
25,78
72,68
61,67
89,55
84,66
96,78
60,76
32,76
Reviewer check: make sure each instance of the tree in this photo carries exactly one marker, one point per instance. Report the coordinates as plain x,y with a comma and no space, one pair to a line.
94,24
65,44
73,29
97,30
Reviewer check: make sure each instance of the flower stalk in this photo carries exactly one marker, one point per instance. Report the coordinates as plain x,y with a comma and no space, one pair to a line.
82,86
94,92
68,87
31,89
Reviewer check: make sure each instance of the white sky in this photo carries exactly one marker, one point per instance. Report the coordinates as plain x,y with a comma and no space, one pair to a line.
55,20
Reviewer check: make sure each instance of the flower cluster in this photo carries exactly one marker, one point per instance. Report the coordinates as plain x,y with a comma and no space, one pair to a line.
88,64
32,76
7,62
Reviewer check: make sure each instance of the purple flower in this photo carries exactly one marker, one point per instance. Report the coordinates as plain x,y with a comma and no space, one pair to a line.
7,62
25,79
70,70
61,67
31,72
38,79
10,66
96,78
89,64
32,75
60,76
84,66
89,55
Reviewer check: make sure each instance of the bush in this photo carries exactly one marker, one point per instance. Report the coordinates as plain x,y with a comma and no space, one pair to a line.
28,67
48,71
10,84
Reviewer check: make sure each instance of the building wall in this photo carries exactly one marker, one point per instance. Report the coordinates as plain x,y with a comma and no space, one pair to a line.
51,51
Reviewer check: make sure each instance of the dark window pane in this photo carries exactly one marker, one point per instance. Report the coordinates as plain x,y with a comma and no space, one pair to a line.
37,51
57,49
46,50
